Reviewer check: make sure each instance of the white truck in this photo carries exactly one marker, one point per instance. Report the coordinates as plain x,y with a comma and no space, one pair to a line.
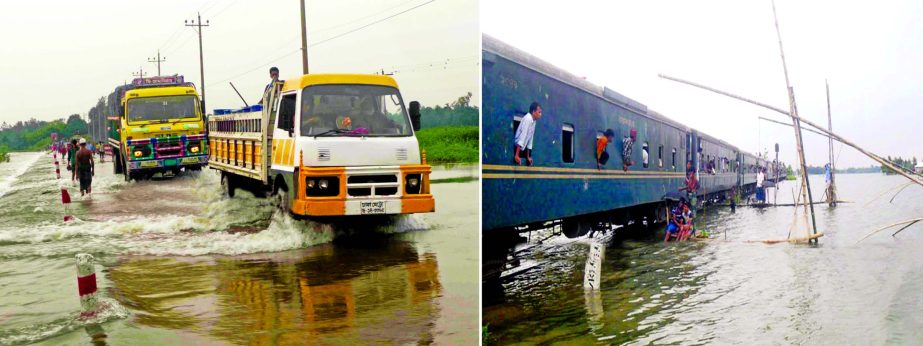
325,145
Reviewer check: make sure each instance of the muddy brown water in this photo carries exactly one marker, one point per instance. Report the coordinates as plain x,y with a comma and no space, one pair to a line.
179,264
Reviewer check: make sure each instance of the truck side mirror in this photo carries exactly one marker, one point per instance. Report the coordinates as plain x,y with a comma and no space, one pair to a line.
415,115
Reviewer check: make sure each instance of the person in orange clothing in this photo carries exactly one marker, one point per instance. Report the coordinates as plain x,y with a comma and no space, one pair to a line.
602,156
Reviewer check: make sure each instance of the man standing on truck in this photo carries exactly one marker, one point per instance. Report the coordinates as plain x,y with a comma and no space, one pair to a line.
525,133
274,77
84,167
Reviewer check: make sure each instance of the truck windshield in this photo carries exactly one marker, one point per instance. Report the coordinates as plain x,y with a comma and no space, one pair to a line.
353,110
161,108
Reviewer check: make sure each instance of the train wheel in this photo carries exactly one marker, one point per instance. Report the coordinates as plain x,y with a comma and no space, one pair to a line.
574,227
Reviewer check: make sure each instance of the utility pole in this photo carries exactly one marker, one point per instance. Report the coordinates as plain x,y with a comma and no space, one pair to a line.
157,61
140,73
831,192
304,41
197,25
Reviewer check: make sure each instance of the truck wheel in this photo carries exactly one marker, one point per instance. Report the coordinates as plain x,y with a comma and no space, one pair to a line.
280,199
125,171
228,184
116,165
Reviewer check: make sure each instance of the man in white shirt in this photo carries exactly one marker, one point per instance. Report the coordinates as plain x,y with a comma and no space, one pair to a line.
760,193
526,132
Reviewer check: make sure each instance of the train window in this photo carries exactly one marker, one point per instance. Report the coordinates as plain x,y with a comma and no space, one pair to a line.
674,159
660,156
645,154
516,120
567,143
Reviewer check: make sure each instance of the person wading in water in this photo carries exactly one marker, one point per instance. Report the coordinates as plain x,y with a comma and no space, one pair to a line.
84,167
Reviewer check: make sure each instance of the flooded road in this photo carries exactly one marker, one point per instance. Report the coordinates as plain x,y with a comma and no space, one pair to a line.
180,264
731,291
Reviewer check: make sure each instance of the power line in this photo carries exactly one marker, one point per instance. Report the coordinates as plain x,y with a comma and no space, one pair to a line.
370,24
328,40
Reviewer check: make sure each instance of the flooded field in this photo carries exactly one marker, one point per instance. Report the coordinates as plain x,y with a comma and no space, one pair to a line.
728,290
180,264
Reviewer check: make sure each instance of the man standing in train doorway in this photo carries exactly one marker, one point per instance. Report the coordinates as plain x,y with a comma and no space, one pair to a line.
525,134
691,187
602,156
627,143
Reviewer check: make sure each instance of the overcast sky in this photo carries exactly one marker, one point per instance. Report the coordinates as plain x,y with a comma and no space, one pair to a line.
871,53
59,57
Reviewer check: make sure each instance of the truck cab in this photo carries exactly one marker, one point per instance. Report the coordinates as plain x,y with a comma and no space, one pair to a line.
331,145
160,128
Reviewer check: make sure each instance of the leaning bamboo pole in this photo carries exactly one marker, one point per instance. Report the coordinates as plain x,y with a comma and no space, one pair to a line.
835,136
831,195
911,221
799,144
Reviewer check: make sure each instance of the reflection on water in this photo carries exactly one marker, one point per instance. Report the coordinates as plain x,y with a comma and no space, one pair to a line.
729,290
362,292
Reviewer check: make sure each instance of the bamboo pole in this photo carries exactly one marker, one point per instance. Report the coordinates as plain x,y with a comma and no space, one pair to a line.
835,136
889,226
831,195
793,109
790,125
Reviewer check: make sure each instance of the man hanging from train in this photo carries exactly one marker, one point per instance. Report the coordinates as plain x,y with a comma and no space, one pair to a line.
627,143
602,156
691,187
525,134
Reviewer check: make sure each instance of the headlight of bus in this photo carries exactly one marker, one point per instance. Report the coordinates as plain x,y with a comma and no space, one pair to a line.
323,184
138,153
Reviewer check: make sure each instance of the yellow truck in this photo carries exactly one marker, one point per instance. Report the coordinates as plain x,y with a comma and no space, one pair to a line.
157,127
325,145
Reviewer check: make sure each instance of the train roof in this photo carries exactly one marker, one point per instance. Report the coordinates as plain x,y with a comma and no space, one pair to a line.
499,48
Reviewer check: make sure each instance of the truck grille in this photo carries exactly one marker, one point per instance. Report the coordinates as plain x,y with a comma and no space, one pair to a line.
402,154
372,185
323,154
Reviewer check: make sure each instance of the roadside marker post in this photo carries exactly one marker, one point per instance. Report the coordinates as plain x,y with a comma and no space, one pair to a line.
86,284
66,200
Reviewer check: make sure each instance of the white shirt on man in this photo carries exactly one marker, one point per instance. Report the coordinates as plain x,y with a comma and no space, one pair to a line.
759,178
525,132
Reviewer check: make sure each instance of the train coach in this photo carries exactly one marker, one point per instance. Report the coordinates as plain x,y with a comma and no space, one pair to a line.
563,183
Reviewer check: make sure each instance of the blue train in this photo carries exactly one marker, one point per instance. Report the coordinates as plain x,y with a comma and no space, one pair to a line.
564,182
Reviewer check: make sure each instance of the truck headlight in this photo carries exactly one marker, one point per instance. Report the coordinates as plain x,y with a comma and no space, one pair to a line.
322,184
412,183
194,149
311,183
138,153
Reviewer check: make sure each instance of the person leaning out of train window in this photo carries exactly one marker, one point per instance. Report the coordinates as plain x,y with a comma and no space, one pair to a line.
602,156
525,133
627,143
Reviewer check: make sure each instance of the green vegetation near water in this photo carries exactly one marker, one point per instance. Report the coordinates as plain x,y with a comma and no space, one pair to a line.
35,135
450,144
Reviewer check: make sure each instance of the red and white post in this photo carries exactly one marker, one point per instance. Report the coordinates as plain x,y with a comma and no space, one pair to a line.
66,201
86,284
57,167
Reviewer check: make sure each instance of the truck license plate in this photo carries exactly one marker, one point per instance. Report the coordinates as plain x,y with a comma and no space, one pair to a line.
148,164
372,207
190,160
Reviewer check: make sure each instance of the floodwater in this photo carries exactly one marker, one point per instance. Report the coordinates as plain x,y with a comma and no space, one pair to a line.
179,264
727,290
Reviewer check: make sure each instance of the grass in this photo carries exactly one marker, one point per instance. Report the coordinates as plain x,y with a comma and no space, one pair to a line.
450,144
4,153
